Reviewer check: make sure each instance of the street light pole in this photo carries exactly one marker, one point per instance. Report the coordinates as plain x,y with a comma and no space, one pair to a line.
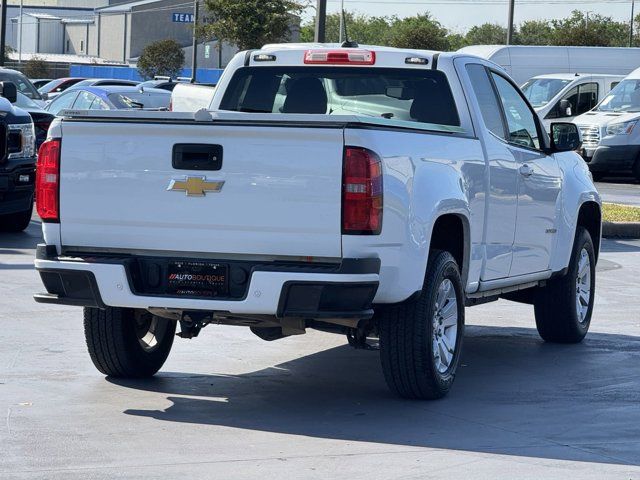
20,36
194,45
321,20
631,24
510,25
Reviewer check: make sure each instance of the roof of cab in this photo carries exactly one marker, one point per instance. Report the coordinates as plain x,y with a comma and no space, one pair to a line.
573,76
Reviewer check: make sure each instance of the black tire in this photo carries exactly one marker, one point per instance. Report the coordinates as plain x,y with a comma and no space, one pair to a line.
114,341
407,335
556,305
636,169
598,176
15,222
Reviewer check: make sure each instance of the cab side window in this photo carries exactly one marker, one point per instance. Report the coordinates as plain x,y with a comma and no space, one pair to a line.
522,128
489,107
587,98
84,101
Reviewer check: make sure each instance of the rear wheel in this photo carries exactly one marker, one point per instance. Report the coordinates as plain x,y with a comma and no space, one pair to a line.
421,339
127,343
636,169
15,222
564,306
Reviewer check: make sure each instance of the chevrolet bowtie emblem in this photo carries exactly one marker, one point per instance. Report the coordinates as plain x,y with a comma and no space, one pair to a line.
195,186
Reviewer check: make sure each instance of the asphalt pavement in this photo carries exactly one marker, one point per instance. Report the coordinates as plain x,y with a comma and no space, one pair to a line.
623,190
228,405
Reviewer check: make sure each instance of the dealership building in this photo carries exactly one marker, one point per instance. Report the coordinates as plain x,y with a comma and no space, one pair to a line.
112,32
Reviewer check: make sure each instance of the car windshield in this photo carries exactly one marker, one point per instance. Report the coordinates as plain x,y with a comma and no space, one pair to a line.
389,94
47,87
540,91
23,85
624,98
140,100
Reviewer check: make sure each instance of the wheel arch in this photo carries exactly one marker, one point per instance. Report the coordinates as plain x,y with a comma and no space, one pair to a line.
451,232
590,217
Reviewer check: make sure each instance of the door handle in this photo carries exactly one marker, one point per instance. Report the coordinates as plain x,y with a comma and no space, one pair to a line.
526,171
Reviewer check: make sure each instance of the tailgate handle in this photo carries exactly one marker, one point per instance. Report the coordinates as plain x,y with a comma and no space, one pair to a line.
197,156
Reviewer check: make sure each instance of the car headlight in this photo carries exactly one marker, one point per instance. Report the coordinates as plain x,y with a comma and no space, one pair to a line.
624,128
24,144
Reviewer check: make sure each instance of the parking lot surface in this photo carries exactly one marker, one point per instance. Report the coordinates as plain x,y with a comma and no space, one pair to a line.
228,405
621,190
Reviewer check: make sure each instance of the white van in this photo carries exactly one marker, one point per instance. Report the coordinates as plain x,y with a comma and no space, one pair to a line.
611,136
563,96
523,62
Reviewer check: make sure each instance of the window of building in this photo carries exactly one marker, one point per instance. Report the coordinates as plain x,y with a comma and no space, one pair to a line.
82,45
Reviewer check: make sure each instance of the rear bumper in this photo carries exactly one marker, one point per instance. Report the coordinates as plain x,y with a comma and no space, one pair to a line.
282,291
613,158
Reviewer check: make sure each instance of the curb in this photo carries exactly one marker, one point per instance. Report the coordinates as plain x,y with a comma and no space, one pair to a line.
621,229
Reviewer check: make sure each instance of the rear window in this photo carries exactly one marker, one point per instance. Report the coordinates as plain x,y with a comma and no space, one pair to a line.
422,96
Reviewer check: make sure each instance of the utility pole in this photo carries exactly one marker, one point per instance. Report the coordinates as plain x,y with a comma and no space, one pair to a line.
510,24
20,36
194,46
631,24
3,31
321,21
341,38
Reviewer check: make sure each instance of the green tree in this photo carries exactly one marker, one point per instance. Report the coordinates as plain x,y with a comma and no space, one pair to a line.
534,32
164,57
487,34
250,23
7,51
36,67
421,32
594,30
456,41
360,28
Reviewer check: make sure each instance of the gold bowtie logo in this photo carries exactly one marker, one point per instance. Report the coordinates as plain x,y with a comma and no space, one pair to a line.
195,186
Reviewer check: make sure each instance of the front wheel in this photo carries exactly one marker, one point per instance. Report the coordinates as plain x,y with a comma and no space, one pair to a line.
15,222
421,339
127,343
564,306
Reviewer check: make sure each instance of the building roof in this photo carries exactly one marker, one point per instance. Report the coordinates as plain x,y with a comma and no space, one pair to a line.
126,7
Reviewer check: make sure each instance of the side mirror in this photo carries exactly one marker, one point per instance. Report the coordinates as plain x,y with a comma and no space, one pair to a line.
565,106
565,137
45,96
8,90
400,93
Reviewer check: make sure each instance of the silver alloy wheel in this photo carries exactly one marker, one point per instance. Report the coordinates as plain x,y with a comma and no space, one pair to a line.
445,326
147,329
583,285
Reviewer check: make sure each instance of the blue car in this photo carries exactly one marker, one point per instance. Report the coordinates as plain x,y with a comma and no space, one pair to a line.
110,98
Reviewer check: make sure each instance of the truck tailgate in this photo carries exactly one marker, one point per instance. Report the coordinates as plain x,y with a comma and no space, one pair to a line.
281,194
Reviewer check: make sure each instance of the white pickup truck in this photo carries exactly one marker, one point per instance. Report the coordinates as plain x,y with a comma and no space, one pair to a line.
367,191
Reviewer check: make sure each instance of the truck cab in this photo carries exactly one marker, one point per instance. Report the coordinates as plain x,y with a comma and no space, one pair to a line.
17,162
611,139
563,96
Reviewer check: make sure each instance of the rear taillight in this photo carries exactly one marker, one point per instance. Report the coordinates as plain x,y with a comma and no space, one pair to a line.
48,181
361,192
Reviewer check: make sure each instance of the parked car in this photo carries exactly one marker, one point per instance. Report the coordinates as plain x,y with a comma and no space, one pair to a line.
105,82
41,118
56,87
110,98
39,82
167,85
22,83
525,61
372,192
566,95
611,133
190,97
17,162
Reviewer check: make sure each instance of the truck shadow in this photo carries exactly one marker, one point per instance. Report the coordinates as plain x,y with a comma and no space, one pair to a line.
514,395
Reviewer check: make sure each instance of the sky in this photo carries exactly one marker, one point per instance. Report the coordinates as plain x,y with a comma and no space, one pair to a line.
460,15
